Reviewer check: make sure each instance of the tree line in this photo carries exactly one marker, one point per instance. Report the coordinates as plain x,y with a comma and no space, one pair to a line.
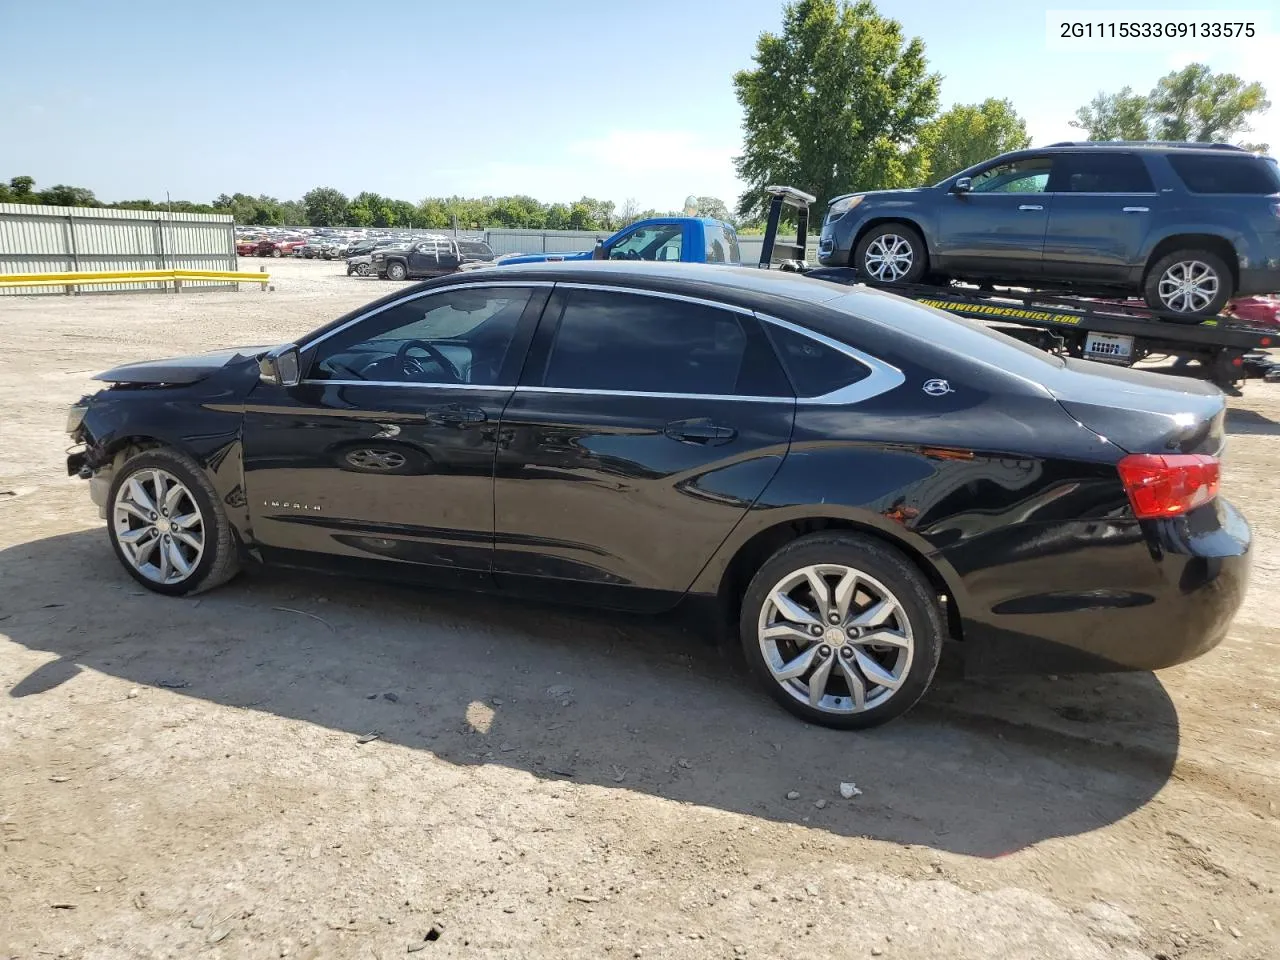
328,207
842,101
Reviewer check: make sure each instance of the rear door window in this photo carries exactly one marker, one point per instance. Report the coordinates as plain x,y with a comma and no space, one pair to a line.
1203,173
610,340
1100,173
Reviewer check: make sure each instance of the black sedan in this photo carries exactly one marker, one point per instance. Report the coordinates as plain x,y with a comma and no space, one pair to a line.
851,479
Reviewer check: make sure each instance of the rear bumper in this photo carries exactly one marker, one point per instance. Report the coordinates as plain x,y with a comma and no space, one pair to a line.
1112,595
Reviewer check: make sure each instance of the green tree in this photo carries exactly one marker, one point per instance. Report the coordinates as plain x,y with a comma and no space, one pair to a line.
325,207
969,133
1193,104
712,207
403,213
1114,116
62,195
23,189
293,213
832,104
557,217
1202,106
431,214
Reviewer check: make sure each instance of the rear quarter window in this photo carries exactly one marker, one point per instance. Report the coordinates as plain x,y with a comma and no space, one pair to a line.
1226,174
815,369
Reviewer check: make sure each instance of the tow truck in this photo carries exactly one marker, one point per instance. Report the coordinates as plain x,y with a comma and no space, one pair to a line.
1224,349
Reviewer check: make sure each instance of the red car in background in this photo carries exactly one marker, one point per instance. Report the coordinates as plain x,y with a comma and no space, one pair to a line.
1260,311
246,247
279,248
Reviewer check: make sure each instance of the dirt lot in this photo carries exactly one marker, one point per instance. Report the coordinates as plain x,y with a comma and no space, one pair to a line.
184,778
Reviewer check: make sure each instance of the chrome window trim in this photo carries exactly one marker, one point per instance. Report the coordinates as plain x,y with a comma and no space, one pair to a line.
883,377
402,383
302,348
662,294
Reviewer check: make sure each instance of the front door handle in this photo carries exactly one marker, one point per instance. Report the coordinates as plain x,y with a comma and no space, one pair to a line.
456,414
1030,206
700,430
1137,209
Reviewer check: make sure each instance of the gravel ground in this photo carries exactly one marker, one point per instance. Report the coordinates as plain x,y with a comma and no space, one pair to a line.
186,778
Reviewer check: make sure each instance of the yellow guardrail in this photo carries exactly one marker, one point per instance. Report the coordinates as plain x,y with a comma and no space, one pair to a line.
85,277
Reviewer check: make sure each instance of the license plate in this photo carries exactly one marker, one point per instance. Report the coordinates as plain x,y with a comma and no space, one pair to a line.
1109,348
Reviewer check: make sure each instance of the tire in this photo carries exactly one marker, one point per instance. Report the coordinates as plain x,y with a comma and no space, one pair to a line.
276,252
364,270
910,257
396,271
1161,292
217,560
914,630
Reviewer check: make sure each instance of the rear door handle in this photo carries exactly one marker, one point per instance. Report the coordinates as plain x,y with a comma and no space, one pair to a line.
1137,209
454,413
700,430
1030,206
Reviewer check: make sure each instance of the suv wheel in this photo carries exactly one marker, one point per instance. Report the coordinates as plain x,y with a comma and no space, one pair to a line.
892,253
1194,283
167,527
842,630
396,271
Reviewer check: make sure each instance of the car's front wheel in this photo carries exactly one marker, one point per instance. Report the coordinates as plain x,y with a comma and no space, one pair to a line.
167,526
892,253
842,629
1191,283
396,271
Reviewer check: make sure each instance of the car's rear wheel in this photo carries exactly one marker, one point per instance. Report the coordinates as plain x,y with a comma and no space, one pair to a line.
364,269
167,526
396,271
1191,283
843,630
277,252
892,253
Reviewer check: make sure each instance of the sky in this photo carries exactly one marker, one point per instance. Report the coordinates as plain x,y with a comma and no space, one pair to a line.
553,99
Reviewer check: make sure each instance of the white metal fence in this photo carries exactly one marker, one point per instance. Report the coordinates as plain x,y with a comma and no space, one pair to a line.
39,239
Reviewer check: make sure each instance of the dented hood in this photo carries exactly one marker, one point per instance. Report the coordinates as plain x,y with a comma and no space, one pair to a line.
182,369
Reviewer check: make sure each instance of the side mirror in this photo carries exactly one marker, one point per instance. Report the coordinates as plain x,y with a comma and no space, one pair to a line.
280,367
963,185
600,253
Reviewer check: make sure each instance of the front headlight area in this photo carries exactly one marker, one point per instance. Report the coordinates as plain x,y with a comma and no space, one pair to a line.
843,206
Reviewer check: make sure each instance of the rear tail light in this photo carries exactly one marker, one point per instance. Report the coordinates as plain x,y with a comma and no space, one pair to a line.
1167,485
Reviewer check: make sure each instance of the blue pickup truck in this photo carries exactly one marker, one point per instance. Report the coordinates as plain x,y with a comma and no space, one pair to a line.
684,239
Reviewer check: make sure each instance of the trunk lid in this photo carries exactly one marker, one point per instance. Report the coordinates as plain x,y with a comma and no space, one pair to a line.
1141,411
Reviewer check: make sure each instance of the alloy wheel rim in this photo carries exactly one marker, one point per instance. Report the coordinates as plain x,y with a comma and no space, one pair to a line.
835,638
889,257
1188,286
376,458
158,526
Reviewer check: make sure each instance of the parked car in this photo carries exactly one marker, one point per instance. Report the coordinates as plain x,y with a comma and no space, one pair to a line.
361,264
283,247
247,247
429,257
1185,226
847,477
312,248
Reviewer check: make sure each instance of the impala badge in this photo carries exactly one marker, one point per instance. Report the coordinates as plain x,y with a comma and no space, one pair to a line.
286,505
937,388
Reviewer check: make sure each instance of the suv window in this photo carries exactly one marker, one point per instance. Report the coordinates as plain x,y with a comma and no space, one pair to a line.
622,341
1028,175
472,327
1226,174
475,248
722,244
815,369
1100,173
661,242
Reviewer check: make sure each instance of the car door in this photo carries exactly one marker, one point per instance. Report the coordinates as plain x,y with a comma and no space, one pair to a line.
998,225
382,456
1099,217
643,428
422,259
447,259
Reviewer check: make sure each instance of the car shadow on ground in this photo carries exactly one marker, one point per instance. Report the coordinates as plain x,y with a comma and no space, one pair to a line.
1249,422
981,768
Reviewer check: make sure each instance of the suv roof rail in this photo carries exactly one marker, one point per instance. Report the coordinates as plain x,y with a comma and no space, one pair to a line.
1176,144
